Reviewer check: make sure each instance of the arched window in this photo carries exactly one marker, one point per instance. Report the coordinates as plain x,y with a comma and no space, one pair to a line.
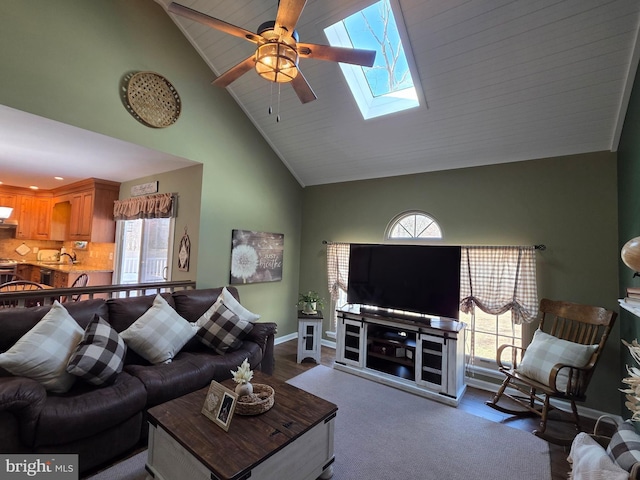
413,225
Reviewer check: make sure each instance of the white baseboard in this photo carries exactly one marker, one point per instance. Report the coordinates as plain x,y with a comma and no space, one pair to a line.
285,338
294,336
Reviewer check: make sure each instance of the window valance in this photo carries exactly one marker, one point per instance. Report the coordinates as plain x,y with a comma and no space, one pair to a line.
159,205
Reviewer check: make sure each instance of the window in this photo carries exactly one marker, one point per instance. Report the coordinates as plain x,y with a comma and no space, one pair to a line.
486,332
144,250
388,86
144,238
498,293
413,225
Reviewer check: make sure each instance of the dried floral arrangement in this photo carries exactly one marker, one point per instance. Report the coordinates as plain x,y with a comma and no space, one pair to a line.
633,382
244,374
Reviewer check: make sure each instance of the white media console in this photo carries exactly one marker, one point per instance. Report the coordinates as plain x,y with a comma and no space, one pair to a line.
421,355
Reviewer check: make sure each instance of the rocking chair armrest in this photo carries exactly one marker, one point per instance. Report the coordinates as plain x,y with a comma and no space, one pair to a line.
515,358
577,380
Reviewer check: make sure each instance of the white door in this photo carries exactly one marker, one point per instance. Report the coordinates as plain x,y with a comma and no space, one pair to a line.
144,250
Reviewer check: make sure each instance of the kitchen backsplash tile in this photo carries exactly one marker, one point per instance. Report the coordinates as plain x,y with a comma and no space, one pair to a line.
96,255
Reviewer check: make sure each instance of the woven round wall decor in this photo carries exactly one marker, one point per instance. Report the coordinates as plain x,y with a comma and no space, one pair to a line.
152,99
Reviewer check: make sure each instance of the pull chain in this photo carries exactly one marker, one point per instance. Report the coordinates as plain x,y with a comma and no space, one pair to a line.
278,116
271,99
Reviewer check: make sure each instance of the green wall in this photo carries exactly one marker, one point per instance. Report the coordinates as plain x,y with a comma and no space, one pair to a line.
65,60
568,203
629,217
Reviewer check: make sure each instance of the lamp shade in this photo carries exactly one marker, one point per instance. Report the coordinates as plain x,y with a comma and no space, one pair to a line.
630,254
277,62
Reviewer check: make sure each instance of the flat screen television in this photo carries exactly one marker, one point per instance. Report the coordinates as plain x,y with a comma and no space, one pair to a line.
422,279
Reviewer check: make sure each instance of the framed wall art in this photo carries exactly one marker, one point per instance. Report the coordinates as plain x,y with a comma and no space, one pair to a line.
256,257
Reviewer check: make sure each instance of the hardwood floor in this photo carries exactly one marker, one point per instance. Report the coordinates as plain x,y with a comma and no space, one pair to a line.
472,402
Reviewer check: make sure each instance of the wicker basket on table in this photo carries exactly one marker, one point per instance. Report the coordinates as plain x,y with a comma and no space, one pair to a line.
258,402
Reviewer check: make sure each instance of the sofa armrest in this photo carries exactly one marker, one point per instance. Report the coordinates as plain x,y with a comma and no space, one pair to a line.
263,334
25,399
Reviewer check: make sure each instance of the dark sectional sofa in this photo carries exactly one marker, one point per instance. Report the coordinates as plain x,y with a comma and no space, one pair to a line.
102,423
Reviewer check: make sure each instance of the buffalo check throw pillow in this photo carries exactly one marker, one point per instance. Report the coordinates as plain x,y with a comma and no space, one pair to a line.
43,352
221,329
99,357
624,447
545,351
159,334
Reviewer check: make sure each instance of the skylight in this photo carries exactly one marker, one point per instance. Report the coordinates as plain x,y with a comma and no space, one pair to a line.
387,87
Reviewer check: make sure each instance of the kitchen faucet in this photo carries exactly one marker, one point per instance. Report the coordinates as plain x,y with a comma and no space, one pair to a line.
72,258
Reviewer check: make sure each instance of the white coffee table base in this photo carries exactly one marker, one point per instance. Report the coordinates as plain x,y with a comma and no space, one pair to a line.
308,457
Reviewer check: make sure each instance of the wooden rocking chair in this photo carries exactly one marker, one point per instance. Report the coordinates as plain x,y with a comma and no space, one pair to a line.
561,361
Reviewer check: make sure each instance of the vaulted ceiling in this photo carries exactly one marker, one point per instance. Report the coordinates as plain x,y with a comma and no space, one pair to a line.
503,81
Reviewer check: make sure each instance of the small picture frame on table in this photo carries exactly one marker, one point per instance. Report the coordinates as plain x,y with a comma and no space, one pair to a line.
219,405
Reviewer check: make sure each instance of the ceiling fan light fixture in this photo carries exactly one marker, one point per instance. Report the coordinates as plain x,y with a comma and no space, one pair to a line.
277,62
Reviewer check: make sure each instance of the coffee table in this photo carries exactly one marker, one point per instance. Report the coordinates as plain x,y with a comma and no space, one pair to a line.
292,440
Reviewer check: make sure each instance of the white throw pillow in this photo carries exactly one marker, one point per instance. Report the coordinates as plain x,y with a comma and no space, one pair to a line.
545,351
590,461
43,352
232,304
159,334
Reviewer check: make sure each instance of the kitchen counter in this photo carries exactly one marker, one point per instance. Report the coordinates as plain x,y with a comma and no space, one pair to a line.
68,267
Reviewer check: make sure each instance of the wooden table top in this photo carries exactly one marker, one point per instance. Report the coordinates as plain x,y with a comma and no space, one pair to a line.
250,439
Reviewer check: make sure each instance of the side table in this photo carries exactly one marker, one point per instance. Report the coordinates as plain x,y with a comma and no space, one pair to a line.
309,336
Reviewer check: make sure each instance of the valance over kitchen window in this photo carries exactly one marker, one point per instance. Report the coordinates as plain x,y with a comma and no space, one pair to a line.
159,205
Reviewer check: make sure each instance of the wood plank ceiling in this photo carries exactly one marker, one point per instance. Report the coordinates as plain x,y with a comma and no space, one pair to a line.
504,81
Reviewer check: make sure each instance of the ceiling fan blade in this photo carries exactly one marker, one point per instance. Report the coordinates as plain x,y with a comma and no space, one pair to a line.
302,88
355,56
235,72
288,14
221,25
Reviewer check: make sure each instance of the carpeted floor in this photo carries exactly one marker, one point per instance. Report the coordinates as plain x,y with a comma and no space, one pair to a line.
384,433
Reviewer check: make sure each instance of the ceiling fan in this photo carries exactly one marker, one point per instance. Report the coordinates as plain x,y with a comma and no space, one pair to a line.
278,49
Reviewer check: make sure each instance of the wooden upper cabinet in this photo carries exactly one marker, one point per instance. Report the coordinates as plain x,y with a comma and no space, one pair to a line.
81,216
82,211
40,218
90,211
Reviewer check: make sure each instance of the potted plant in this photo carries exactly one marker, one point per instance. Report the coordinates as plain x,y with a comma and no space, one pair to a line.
309,301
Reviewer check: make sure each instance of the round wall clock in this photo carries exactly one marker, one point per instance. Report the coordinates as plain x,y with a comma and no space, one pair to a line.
152,99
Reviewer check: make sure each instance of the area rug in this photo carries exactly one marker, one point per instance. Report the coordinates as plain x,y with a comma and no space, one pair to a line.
384,433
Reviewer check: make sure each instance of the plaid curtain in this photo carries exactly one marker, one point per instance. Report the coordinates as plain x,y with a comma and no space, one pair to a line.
337,274
499,279
337,267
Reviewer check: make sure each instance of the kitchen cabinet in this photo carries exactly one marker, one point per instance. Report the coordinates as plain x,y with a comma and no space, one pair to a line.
81,216
60,279
24,271
40,218
84,211
24,203
31,211
34,217
34,273
66,279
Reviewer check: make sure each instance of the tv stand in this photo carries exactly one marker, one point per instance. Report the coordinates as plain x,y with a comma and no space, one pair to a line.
421,355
